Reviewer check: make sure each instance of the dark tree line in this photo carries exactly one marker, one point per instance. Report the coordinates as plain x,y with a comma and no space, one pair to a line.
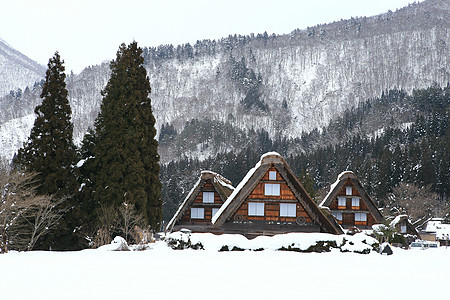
418,154
112,183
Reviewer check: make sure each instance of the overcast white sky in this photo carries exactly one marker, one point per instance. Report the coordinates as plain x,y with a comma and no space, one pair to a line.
87,32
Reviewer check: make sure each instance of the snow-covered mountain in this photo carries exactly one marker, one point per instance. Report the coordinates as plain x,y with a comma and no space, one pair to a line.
16,70
285,84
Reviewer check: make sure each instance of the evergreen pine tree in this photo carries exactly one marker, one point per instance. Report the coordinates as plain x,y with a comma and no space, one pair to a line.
124,163
308,183
50,151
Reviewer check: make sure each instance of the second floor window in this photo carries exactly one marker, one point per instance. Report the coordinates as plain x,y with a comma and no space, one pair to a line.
272,189
208,197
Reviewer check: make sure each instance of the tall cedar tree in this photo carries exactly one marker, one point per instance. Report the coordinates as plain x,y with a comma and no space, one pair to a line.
50,151
123,164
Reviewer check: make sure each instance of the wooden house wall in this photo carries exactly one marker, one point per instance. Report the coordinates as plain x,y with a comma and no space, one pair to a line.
271,203
198,203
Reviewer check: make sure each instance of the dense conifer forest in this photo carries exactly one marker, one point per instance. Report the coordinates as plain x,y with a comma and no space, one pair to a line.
412,148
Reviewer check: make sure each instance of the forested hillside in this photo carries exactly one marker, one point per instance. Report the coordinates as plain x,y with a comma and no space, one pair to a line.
288,84
413,147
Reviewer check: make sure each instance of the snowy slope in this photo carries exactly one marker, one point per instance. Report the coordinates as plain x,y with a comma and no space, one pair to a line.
17,70
319,72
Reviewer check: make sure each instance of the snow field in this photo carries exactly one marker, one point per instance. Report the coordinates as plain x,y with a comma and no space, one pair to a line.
163,273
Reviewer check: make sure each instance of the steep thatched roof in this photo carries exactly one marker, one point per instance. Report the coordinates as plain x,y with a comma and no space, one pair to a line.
221,185
247,185
339,183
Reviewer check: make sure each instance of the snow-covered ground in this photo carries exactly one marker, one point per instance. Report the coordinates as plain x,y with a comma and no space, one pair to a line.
163,273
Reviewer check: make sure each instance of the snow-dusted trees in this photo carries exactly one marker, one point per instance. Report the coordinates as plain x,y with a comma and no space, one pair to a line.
50,152
122,162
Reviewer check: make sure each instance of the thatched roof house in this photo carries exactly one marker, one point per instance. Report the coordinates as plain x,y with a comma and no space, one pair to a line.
203,201
350,204
271,200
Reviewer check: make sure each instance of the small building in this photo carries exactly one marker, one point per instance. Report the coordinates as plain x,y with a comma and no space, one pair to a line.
203,201
404,226
350,204
271,200
436,230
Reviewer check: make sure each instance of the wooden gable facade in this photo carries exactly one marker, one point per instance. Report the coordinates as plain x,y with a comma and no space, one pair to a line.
271,200
203,201
350,204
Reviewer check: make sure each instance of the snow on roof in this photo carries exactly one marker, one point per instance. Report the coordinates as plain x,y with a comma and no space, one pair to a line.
443,232
236,191
220,180
204,175
269,154
244,182
334,185
397,219
433,225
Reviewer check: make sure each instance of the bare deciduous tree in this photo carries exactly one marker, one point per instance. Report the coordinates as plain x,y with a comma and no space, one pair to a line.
112,221
108,222
417,202
24,216
129,219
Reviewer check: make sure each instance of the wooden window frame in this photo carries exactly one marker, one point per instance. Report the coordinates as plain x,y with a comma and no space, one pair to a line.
354,206
256,209
286,210
272,175
270,191
340,206
348,191
208,198
195,216
403,228
359,221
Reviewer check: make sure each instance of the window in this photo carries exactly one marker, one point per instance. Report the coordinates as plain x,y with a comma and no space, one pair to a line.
355,203
348,190
360,217
255,209
288,210
342,202
402,228
214,211
337,215
197,213
208,197
272,175
272,189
